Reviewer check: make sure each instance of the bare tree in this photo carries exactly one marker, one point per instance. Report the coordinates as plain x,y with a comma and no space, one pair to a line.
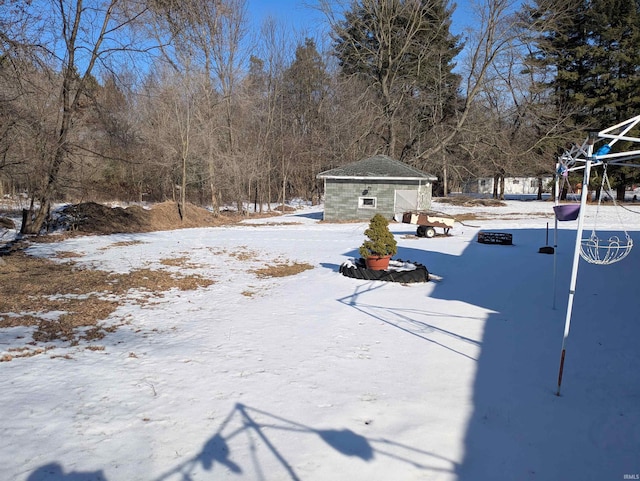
75,37
264,89
207,38
508,121
504,121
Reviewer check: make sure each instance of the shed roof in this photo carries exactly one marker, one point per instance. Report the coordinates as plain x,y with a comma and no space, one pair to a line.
380,167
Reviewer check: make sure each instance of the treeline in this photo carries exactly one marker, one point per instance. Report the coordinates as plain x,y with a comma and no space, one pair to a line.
149,100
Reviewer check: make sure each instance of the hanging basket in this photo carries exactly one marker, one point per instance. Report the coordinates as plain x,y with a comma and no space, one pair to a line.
566,211
604,252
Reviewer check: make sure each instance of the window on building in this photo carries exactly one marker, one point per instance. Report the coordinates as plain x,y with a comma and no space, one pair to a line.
367,202
516,181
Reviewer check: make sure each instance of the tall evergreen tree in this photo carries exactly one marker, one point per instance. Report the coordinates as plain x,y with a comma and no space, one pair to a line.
403,51
593,47
305,85
614,87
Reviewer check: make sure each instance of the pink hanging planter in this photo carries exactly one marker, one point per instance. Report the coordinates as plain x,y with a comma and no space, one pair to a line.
567,211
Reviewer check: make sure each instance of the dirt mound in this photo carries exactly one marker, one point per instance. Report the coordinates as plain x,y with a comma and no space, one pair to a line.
90,217
101,219
166,216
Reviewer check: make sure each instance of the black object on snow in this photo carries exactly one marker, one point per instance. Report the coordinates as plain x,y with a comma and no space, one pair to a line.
397,272
501,238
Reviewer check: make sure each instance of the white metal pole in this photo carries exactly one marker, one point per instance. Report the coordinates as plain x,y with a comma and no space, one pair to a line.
576,257
555,235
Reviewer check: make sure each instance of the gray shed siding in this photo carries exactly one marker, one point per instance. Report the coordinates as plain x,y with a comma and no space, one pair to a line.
342,197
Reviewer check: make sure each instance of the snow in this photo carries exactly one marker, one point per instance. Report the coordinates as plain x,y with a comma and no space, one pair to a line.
323,377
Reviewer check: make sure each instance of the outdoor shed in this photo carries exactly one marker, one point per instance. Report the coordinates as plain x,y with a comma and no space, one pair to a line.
376,185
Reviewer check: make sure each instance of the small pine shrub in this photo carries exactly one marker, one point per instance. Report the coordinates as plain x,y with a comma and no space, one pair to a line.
380,240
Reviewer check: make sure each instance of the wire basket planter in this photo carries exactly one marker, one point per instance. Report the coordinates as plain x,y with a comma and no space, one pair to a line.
604,252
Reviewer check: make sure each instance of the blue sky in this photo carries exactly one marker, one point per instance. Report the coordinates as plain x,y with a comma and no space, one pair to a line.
298,15
295,14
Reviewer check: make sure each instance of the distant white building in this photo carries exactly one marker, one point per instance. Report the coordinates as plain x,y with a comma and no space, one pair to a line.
512,185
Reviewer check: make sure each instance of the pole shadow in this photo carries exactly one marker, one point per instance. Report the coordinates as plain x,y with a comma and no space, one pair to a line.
259,425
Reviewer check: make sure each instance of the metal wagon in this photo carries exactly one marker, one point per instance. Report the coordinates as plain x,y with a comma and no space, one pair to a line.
427,222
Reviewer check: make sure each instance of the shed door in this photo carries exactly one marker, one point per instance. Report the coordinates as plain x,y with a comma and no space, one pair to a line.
405,200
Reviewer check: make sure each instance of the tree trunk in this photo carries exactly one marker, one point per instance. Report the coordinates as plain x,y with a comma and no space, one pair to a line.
284,191
215,209
255,198
182,204
445,180
72,89
540,187
35,222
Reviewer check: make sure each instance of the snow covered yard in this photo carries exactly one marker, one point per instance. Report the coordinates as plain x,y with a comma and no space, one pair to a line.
321,377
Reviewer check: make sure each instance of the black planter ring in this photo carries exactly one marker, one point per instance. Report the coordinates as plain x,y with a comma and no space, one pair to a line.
399,271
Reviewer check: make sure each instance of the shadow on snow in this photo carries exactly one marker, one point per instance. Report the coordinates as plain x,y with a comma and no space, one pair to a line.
259,428
519,428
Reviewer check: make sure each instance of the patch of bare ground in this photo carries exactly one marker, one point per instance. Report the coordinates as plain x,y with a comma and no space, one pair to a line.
284,208
64,302
67,255
282,269
67,303
182,261
466,216
242,254
471,216
269,224
122,244
526,216
463,201
471,201
343,221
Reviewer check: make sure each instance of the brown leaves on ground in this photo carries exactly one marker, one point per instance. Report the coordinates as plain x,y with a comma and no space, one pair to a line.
31,289
282,269
471,201
70,303
470,216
